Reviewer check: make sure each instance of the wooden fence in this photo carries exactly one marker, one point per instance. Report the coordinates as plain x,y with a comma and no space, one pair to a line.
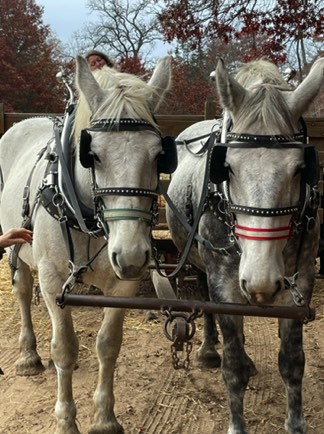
173,124
170,124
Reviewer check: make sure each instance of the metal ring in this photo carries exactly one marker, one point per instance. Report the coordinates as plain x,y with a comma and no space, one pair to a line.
57,200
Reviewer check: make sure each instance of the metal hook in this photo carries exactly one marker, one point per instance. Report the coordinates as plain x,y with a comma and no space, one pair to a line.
291,284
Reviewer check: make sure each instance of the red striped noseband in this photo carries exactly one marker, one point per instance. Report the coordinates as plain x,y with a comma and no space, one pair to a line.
263,234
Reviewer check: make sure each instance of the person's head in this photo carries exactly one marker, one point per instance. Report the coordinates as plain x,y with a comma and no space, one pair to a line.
97,60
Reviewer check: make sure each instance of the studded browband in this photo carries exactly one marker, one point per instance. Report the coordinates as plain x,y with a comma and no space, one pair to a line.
124,191
124,124
263,212
272,139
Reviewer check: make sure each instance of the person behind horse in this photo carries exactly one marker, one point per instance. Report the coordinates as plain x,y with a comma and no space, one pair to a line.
97,59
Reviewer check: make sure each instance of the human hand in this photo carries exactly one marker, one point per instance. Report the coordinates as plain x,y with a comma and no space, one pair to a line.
16,236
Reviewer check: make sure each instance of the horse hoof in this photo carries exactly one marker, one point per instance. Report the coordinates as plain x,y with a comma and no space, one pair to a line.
111,428
296,426
28,367
252,369
67,430
209,359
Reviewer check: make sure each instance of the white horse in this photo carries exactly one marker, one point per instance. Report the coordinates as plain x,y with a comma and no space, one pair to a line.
257,235
115,174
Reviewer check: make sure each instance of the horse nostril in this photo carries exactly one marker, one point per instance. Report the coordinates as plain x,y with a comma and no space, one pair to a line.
279,285
148,257
244,285
114,259
244,289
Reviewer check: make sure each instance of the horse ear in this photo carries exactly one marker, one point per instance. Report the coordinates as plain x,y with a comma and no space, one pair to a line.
299,100
160,81
230,91
87,84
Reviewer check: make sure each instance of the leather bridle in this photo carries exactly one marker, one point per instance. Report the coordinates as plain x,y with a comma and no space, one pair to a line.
226,210
106,215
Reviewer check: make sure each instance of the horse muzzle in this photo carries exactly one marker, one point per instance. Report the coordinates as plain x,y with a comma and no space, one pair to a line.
129,265
261,294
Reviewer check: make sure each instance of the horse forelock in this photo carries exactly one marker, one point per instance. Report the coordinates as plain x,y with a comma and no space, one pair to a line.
267,108
266,105
126,94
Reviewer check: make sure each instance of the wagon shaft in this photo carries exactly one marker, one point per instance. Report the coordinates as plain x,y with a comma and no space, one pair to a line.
301,313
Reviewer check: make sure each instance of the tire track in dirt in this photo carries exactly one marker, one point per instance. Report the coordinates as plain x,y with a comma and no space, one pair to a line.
152,397
199,394
172,402
8,359
262,345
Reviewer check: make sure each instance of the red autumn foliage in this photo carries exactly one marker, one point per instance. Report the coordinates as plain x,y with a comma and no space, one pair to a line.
284,20
189,91
28,61
132,65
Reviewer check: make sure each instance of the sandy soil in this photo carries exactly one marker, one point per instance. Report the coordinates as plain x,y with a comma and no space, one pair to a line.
151,396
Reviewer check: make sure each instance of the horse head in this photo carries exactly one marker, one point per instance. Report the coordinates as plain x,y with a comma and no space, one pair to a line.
269,171
118,141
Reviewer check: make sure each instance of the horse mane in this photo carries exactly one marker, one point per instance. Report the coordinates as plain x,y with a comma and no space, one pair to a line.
127,93
266,104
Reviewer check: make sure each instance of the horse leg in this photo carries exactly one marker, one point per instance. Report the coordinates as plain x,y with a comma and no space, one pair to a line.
29,362
109,341
64,353
207,355
237,368
291,366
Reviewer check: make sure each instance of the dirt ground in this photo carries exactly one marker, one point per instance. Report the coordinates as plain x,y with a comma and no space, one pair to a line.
151,396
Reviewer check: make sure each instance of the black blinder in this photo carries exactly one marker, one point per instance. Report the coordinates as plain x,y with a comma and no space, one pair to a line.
311,173
87,157
168,158
218,171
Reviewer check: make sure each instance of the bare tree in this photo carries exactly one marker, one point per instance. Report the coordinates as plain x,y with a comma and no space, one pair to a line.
123,28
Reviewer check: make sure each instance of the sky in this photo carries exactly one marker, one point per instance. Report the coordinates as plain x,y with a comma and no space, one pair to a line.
65,16
68,16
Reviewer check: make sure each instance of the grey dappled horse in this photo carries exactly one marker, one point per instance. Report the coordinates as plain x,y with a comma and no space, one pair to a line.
259,225
115,173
